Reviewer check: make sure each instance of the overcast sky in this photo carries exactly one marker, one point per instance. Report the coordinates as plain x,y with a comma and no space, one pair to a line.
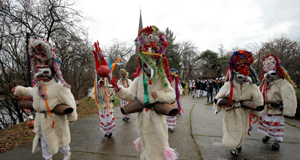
207,23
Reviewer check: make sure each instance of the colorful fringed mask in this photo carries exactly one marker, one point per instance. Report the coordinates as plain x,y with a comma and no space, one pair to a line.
239,69
152,59
273,69
44,64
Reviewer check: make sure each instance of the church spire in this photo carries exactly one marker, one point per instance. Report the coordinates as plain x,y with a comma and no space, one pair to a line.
140,22
140,28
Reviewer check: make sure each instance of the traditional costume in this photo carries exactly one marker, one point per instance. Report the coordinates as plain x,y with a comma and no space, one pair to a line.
150,87
125,82
172,120
51,129
102,92
279,100
239,97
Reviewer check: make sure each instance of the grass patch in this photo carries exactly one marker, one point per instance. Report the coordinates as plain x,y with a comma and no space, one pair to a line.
19,134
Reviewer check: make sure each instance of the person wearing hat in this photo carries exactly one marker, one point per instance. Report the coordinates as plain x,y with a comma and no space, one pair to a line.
102,93
171,120
279,100
150,86
51,129
125,82
238,97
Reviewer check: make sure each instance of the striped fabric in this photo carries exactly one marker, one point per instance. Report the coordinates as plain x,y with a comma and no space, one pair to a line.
171,120
272,126
123,103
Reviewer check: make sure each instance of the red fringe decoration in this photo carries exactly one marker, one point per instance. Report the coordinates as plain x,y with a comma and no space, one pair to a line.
138,70
278,67
167,69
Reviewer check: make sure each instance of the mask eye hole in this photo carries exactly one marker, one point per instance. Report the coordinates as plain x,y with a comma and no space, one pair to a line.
273,74
240,77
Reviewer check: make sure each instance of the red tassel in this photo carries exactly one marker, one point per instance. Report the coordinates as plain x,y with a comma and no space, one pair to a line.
150,82
147,109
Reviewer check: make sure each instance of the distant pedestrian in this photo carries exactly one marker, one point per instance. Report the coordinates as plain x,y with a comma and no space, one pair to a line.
217,86
190,87
204,87
198,87
210,89
193,88
183,87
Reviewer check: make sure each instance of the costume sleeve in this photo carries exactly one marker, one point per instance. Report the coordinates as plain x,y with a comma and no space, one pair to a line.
289,100
166,95
92,93
180,89
66,97
257,98
128,94
23,91
110,91
221,94
120,83
129,82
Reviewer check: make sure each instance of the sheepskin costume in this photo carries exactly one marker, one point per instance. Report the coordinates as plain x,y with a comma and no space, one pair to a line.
46,95
236,118
151,76
279,97
125,82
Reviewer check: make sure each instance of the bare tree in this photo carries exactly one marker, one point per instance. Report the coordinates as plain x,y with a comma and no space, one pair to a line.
190,65
60,23
116,50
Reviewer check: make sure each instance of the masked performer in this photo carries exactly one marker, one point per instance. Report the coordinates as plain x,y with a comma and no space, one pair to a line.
150,87
279,99
51,128
238,97
125,82
171,120
102,93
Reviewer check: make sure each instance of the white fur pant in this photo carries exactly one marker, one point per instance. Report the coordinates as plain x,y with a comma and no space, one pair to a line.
46,154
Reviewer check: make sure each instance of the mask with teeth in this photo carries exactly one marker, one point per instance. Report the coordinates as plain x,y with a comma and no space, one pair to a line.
44,65
240,78
271,76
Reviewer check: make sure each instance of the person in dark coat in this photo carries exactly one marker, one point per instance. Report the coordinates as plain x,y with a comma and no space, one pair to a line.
183,87
210,89
198,87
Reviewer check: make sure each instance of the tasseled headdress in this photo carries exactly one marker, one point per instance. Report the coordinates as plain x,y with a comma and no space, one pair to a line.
153,42
240,62
271,62
43,52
